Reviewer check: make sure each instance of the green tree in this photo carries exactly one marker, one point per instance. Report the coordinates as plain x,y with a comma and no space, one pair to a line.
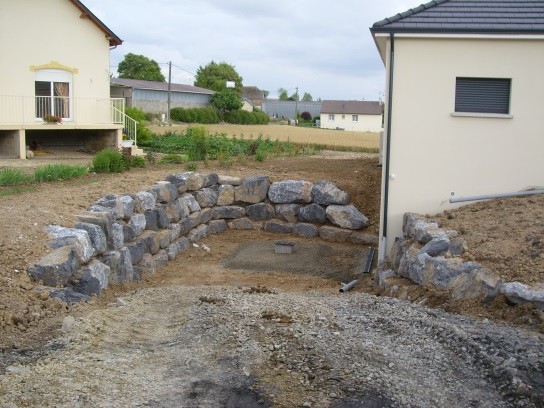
226,100
282,94
214,76
265,93
294,97
136,66
307,97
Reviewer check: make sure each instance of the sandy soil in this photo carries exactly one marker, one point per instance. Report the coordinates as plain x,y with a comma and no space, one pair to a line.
28,319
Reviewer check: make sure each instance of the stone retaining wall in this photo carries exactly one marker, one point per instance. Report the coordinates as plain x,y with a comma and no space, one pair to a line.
122,237
430,255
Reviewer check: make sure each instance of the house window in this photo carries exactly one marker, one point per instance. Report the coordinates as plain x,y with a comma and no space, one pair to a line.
343,116
52,92
482,95
355,118
331,118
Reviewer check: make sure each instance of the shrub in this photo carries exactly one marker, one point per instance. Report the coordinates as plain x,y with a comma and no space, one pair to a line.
199,144
306,116
13,177
108,161
173,158
190,167
246,118
143,133
195,115
53,172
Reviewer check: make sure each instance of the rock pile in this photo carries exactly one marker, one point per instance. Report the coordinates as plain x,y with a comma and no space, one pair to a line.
122,237
430,255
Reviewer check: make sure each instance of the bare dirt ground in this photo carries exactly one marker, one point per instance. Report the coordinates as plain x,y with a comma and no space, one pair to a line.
32,329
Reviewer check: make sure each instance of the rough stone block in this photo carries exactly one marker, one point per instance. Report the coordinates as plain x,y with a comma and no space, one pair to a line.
137,250
76,238
162,217
164,237
176,247
161,258
241,224
347,216
358,237
126,204
382,275
120,264
195,181
290,191
55,268
287,212
151,241
175,231
327,193
86,278
206,215
211,180
233,181
334,234
191,202
144,201
306,230
103,219
278,227
147,265
151,222
253,190
225,194
260,211
205,197
179,180
137,223
217,226
198,233
436,246
229,211
480,284
96,235
67,295
185,226
194,219
117,236
165,192
173,211
517,292
312,213
399,248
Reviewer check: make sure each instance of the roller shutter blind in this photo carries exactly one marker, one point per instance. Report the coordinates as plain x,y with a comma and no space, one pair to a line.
482,95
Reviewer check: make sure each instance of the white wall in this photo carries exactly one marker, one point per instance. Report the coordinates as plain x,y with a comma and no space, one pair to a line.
435,156
38,32
365,123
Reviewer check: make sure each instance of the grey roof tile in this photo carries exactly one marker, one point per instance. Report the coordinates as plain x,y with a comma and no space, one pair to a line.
480,16
159,86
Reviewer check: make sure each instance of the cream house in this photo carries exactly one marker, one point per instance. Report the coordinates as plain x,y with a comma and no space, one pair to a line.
55,66
464,106
359,116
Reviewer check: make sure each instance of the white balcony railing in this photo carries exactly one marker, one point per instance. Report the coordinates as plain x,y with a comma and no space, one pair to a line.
28,110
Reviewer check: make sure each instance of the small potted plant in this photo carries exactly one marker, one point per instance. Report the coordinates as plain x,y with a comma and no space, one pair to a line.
126,141
52,119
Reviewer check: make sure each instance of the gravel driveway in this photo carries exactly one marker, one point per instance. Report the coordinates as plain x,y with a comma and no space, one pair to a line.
206,346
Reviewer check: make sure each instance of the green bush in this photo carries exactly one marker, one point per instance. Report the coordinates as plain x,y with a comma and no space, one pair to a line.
173,158
191,167
143,133
199,144
108,161
194,115
246,118
53,172
138,161
13,177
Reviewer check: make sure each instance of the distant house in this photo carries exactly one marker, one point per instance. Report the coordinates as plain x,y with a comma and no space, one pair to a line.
151,96
286,109
359,116
464,106
254,96
57,65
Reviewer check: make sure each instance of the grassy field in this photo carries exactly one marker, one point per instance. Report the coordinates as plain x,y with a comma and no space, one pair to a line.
294,134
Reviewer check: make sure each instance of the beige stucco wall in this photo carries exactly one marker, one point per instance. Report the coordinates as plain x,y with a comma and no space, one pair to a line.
365,123
435,156
38,32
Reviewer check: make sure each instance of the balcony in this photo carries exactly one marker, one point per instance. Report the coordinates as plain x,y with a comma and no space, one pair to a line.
27,112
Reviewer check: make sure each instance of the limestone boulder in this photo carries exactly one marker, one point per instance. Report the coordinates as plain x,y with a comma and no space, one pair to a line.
260,211
287,212
96,235
290,191
347,216
312,213
517,292
229,211
144,201
76,238
327,193
253,190
206,197
55,268
225,194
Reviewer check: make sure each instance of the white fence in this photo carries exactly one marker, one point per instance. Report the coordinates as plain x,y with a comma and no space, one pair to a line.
20,110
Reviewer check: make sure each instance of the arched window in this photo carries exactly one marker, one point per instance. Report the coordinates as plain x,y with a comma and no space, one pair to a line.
53,89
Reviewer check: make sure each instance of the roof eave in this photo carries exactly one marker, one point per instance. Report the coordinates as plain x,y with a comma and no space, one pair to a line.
85,12
395,30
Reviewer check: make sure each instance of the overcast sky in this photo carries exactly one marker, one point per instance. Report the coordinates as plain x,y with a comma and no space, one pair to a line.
323,47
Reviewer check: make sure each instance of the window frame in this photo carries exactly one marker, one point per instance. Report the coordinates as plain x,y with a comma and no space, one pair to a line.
331,117
355,118
483,97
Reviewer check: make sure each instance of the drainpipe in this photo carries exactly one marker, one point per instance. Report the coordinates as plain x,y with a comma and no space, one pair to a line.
388,138
493,196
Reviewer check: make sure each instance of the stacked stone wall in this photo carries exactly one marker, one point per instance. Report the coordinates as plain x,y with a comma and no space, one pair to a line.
123,237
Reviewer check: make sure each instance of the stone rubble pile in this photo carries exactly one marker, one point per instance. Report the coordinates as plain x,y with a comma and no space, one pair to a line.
122,237
430,255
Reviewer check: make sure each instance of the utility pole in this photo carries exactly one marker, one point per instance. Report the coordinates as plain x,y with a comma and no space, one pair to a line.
296,106
169,91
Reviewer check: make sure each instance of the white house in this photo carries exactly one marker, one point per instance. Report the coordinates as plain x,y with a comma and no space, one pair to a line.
464,106
359,116
152,96
55,63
